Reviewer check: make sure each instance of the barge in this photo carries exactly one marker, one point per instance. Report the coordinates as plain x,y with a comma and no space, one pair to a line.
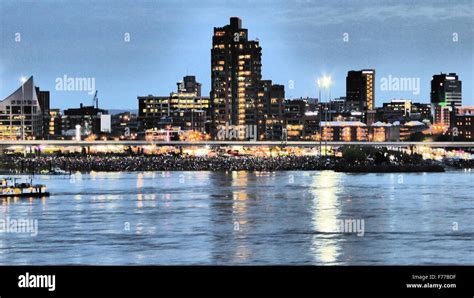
10,188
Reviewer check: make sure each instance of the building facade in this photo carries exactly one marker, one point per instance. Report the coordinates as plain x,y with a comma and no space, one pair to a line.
184,109
235,77
270,111
189,85
404,110
446,90
54,125
89,118
446,97
153,112
21,117
465,127
360,90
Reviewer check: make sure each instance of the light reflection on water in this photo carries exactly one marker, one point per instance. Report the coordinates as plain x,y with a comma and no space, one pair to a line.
325,213
245,218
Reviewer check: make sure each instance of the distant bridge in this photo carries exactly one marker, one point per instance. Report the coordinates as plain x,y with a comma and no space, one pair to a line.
73,143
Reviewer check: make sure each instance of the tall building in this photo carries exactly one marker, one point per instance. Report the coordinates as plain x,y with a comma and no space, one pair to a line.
270,110
20,114
446,90
235,76
446,96
43,100
360,89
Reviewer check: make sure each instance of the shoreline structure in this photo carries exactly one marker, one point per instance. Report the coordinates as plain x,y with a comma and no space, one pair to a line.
14,164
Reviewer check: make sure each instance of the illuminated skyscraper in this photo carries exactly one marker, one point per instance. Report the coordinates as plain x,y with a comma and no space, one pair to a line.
446,96
446,90
360,89
235,74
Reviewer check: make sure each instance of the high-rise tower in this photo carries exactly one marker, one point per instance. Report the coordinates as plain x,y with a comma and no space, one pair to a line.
235,76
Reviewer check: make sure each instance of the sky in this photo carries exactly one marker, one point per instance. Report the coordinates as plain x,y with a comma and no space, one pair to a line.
301,41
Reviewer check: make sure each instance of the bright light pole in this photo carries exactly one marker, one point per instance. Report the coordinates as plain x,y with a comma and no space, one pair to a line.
324,82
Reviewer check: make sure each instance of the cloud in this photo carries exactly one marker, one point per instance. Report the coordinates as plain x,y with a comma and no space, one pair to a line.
316,13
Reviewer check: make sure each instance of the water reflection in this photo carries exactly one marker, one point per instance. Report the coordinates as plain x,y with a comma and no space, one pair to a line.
239,211
139,181
282,217
239,195
325,244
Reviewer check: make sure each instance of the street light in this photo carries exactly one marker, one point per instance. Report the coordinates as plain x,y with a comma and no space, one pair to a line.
324,82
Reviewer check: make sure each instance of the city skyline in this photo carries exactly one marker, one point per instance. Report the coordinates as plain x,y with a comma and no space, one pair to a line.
159,55
271,133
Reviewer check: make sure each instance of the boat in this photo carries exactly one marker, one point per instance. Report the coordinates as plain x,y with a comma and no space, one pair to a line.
54,171
10,188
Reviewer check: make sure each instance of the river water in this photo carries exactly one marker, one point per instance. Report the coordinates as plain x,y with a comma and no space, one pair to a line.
252,218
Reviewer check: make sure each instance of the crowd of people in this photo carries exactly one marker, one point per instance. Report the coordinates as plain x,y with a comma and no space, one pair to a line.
359,159
162,162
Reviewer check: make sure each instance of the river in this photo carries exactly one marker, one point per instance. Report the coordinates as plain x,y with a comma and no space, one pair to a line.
245,218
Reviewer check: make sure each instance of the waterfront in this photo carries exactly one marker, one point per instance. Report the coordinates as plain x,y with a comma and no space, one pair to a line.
255,218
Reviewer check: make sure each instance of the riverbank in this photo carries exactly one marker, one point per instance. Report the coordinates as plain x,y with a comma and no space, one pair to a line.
165,162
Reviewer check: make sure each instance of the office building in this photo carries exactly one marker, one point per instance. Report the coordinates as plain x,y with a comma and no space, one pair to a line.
403,110
235,76
360,90
446,90
465,126
446,96
189,85
270,111
184,109
53,124
21,116
124,126
93,121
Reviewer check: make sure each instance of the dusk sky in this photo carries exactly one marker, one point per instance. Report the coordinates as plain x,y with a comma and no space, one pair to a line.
301,40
